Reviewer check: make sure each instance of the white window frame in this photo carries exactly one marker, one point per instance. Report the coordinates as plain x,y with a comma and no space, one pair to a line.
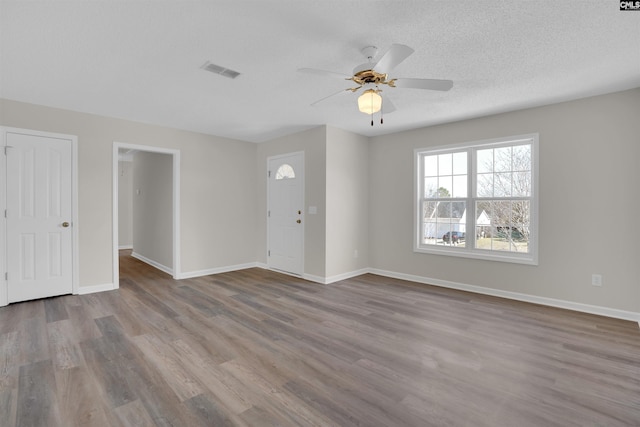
469,250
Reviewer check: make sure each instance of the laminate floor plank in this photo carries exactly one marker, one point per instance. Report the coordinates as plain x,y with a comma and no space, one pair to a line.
134,414
184,384
37,399
259,348
55,309
77,391
63,347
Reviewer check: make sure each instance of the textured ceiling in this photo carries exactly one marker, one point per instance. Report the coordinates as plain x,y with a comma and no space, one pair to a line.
141,60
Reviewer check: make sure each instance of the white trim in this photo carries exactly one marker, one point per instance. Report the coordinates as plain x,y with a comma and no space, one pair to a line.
551,302
345,276
75,258
309,277
152,263
175,272
318,279
218,270
333,279
4,284
84,290
122,247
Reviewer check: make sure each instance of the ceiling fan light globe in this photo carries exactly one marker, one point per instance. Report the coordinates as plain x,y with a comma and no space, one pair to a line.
369,102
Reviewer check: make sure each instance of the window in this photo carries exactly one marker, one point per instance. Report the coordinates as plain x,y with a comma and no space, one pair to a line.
285,171
479,200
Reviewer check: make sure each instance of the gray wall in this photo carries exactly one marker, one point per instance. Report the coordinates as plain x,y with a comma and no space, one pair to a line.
218,187
153,207
589,202
125,205
347,229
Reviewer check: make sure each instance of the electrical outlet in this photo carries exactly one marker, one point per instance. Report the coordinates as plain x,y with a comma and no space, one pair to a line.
596,279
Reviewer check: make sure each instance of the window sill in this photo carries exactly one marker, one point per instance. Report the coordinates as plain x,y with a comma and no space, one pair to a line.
527,259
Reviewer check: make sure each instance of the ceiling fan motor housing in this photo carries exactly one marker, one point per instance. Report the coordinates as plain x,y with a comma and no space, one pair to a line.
369,76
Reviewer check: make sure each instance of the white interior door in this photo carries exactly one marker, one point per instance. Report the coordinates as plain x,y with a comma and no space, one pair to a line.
39,216
285,215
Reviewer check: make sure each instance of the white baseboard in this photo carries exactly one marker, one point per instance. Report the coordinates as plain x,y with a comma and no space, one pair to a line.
125,247
345,276
84,290
153,263
309,277
336,278
552,302
217,270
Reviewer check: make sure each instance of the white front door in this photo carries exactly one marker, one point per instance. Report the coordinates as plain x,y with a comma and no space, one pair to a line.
285,216
39,215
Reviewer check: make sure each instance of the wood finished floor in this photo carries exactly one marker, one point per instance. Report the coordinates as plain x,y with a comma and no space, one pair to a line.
257,348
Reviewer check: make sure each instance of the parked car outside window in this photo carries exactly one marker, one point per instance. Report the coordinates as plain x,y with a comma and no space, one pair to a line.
453,236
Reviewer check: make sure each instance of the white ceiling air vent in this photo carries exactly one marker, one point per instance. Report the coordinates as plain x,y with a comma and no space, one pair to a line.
220,70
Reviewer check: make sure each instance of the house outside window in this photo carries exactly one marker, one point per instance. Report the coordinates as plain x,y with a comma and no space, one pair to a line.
479,199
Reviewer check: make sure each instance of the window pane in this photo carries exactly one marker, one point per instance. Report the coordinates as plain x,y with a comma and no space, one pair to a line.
460,186
520,216
443,223
485,185
503,225
445,164
431,187
430,222
522,184
285,171
502,159
502,185
460,163
445,186
430,165
522,158
453,215
485,161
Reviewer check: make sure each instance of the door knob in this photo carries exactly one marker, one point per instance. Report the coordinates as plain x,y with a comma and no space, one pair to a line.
299,221
65,224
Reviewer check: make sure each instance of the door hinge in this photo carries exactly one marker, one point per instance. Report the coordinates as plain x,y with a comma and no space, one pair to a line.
6,215
6,149
269,214
269,174
268,253
6,276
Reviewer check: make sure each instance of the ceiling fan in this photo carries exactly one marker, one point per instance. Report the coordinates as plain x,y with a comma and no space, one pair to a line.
371,75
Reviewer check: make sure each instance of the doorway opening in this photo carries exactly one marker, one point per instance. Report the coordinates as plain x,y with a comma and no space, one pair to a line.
174,186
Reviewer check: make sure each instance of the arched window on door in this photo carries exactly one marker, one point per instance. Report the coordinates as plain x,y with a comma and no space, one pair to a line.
285,171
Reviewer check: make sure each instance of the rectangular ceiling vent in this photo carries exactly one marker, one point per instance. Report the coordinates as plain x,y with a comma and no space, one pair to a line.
220,70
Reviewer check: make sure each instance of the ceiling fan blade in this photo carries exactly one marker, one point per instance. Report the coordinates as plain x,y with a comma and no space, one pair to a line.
323,73
387,106
430,84
327,97
394,56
